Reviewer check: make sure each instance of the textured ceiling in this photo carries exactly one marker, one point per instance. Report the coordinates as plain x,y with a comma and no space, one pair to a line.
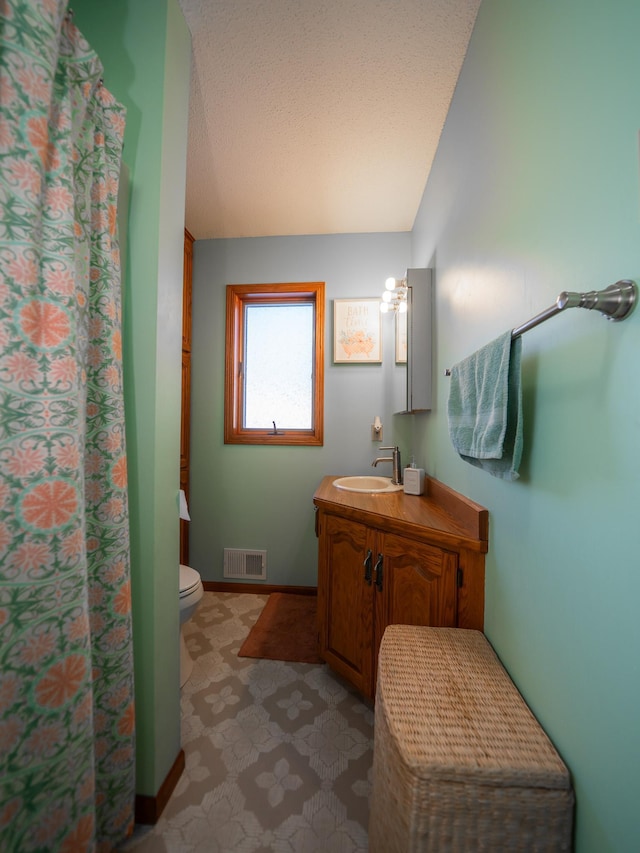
317,116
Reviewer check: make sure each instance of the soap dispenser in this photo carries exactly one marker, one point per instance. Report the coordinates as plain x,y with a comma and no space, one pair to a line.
413,479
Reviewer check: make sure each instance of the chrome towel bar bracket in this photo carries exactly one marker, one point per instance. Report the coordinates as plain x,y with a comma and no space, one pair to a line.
615,302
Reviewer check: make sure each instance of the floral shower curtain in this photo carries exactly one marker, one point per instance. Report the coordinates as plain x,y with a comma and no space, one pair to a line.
66,662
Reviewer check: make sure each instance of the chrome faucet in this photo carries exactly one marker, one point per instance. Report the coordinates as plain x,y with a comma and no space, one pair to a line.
395,460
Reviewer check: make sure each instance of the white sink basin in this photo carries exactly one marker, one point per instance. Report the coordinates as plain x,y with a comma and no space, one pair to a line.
370,485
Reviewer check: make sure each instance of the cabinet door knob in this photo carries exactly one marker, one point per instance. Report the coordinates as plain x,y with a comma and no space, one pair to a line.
367,566
378,571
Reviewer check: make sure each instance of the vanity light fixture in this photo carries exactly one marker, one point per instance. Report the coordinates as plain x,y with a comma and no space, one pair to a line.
394,297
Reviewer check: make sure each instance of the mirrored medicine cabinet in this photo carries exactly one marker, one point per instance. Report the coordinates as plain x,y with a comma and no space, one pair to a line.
413,377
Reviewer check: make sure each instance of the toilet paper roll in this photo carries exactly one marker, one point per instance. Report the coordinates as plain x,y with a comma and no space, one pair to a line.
184,509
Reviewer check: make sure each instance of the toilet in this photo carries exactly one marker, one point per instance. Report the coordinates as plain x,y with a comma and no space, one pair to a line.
191,592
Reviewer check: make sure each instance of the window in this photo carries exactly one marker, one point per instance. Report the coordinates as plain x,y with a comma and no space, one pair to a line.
274,366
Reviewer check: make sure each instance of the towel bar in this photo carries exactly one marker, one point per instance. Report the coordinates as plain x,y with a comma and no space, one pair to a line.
615,302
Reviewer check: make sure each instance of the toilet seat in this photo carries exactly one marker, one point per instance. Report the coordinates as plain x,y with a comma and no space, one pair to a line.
191,592
189,580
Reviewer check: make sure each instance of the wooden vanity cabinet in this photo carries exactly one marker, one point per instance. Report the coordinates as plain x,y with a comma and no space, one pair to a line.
418,586
346,599
372,572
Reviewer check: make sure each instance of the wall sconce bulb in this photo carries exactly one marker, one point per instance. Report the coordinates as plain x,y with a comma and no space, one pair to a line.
394,297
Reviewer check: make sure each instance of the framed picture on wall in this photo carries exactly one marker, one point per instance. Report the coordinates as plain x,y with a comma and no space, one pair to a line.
401,338
357,331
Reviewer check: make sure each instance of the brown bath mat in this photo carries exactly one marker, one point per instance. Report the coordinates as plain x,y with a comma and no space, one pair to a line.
286,630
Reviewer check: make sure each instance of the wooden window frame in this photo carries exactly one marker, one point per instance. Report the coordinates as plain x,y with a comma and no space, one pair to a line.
238,296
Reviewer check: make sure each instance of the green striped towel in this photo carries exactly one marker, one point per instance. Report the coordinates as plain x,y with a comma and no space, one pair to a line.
485,408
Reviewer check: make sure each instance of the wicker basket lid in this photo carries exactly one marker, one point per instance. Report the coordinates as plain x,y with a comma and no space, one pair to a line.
454,713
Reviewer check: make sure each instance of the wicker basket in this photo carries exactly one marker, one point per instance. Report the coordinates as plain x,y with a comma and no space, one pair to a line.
460,762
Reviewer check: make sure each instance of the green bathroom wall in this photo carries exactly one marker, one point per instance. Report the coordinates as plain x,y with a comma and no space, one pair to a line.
145,48
535,190
258,497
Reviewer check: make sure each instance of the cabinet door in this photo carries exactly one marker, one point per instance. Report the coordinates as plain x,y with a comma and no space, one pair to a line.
418,585
345,599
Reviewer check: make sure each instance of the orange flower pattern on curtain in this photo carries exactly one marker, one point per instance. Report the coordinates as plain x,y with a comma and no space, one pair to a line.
66,661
